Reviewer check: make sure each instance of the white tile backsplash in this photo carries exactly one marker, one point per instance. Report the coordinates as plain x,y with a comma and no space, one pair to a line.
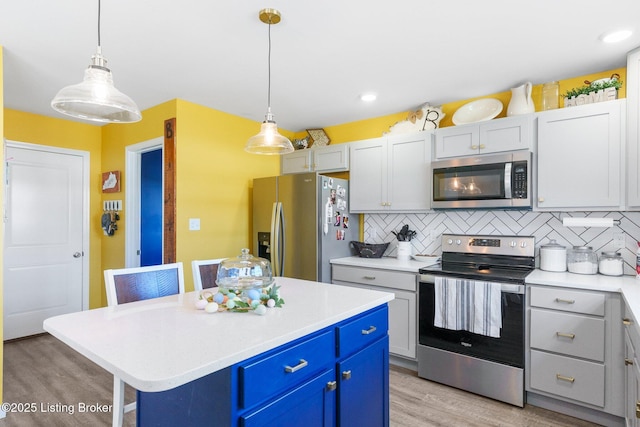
544,226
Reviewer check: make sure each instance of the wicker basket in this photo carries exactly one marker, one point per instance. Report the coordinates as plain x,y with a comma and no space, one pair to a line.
369,250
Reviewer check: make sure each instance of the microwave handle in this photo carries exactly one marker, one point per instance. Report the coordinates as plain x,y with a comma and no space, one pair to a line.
507,180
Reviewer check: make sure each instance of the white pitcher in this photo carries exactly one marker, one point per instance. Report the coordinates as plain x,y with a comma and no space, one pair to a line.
521,102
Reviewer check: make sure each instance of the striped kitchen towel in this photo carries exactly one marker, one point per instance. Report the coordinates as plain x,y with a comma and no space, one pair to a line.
469,305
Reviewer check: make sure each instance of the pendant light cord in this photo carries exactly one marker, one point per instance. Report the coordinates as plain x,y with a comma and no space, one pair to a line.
99,8
269,72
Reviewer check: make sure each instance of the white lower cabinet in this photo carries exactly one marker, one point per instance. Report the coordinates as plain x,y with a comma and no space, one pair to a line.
402,309
632,369
575,346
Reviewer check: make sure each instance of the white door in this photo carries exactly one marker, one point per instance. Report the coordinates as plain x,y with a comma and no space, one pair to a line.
43,240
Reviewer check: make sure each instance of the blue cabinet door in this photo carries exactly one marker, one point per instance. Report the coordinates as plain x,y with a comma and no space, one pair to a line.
313,404
363,389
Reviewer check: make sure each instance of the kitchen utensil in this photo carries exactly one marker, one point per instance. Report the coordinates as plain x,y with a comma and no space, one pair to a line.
521,102
477,111
553,257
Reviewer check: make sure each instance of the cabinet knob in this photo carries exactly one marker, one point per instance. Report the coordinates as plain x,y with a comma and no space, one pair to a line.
474,147
540,199
332,385
626,321
637,409
346,375
482,146
628,362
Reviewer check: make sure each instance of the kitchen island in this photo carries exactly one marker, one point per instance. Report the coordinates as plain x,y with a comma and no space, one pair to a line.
320,357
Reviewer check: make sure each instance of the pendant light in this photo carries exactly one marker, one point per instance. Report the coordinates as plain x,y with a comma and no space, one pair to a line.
269,141
96,98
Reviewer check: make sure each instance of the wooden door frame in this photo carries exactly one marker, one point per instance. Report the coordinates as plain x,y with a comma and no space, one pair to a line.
132,180
86,195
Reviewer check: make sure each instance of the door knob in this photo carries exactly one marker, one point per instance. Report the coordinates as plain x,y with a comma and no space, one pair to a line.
77,254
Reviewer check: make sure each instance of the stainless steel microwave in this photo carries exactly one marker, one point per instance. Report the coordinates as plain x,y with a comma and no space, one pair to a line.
491,181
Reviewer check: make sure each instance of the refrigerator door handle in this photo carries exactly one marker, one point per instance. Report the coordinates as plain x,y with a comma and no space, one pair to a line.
277,239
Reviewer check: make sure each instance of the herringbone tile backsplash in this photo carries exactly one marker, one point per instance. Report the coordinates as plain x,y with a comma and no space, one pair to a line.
544,226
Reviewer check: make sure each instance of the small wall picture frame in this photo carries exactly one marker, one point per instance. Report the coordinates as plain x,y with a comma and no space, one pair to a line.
319,137
111,182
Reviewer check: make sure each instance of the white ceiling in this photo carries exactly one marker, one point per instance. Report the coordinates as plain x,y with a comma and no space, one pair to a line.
325,54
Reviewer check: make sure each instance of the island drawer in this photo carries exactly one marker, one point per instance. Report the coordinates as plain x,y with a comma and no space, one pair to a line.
375,277
364,330
568,300
568,377
284,368
569,334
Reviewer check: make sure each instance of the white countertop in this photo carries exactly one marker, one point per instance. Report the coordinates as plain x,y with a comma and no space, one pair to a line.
162,343
384,263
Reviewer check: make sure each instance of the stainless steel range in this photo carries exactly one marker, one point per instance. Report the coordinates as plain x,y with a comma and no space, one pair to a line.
471,315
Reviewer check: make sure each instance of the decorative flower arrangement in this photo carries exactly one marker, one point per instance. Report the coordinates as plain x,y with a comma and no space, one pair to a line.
600,90
251,300
405,235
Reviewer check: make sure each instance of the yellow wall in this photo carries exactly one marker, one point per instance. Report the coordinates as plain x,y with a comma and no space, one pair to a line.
214,179
36,129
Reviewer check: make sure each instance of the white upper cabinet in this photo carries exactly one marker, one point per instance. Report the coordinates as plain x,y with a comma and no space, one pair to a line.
580,165
633,129
391,174
331,158
493,136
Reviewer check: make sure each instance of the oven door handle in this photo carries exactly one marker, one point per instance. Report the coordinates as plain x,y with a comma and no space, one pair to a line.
510,288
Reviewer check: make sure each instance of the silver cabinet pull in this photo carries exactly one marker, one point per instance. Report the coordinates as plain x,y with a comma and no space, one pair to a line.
563,378
369,277
332,385
77,254
346,375
299,366
371,330
628,362
566,301
566,335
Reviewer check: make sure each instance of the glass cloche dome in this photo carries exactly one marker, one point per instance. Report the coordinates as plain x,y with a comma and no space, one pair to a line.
244,272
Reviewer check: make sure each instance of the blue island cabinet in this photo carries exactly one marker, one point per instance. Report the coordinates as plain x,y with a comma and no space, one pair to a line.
338,376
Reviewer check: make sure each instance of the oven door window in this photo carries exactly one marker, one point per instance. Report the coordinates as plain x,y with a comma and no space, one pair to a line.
479,182
508,349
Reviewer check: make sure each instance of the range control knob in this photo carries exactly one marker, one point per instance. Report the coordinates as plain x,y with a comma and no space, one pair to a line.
450,242
523,244
513,244
458,242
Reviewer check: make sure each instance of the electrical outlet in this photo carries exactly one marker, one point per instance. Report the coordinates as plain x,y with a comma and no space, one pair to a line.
618,240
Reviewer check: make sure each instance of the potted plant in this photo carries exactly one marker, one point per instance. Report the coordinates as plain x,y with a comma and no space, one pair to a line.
591,92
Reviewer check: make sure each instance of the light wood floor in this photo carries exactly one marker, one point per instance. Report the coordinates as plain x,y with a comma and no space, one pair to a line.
44,371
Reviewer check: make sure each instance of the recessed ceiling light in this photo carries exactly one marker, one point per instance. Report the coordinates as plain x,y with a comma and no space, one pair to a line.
616,36
368,97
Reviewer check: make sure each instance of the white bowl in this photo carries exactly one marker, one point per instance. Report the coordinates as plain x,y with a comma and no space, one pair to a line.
477,111
427,259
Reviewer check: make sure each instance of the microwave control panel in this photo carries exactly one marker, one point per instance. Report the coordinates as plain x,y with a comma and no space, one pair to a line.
519,180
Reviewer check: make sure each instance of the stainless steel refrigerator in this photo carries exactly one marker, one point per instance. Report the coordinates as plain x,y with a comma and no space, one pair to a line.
300,222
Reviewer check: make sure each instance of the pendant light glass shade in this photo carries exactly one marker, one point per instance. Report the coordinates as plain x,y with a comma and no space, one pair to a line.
96,98
269,140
